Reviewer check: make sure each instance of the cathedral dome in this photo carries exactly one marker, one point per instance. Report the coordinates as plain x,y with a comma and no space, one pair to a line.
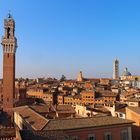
126,73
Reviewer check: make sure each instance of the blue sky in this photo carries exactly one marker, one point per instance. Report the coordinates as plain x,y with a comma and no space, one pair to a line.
58,37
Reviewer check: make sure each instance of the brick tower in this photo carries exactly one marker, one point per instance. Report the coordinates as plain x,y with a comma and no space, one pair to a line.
80,77
116,69
9,43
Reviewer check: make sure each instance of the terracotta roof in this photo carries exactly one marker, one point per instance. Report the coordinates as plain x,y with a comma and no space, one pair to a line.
70,81
65,109
97,80
78,96
36,121
99,98
133,100
42,108
80,123
107,93
121,110
134,109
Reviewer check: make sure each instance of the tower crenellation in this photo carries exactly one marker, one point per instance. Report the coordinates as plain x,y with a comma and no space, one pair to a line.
9,40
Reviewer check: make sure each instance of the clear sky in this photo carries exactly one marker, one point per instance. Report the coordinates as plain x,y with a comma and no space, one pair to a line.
58,37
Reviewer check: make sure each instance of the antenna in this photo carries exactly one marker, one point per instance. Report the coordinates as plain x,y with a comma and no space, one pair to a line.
9,14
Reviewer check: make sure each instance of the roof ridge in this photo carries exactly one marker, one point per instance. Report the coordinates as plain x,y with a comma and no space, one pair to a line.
79,118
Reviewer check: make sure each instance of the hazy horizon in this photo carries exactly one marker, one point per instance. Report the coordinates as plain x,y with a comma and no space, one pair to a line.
65,37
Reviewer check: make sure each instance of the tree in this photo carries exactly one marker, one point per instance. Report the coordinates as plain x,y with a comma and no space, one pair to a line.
63,78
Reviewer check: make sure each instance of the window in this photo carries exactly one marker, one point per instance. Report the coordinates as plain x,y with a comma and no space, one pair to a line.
121,115
132,104
8,32
108,136
91,137
1,97
124,135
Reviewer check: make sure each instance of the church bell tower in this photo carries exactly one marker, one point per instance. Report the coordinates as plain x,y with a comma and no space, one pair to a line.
116,69
9,44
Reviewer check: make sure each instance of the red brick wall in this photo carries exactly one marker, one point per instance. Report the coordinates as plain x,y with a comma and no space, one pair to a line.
136,118
8,81
99,133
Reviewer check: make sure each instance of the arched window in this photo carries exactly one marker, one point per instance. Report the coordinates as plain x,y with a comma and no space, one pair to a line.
8,32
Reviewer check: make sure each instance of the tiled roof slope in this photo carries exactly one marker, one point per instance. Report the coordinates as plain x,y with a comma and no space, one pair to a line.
77,123
134,109
34,119
65,109
39,122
